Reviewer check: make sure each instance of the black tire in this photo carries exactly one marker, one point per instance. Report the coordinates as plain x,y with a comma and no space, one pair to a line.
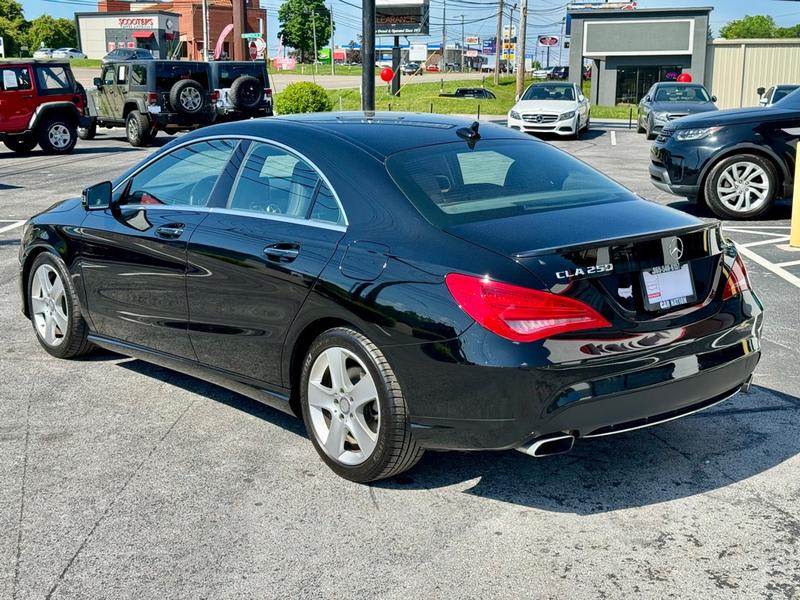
639,128
88,133
246,93
712,181
187,96
137,129
577,135
74,342
57,135
649,130
395,450
21,145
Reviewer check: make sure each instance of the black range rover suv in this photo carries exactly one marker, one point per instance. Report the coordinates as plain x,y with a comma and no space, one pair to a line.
736,161
148,96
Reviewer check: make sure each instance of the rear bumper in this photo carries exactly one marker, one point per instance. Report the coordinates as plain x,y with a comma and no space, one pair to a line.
225,114
465,404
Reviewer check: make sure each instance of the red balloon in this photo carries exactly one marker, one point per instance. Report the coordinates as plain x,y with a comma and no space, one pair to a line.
685,78
387,74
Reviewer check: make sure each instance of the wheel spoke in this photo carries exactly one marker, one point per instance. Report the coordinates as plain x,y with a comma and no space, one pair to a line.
319,396
747,172
44,281
57,290
38,305
762,185
334,443
49,330
60,320
363,392
364,436
336,366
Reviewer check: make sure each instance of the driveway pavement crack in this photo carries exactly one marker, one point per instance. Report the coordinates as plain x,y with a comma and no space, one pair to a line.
22,492
114,501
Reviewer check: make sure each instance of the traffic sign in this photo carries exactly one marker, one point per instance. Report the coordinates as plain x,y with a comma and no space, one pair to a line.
251,36
260,44
253,51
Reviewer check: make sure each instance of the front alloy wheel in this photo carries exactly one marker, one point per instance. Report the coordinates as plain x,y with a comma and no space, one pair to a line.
353,409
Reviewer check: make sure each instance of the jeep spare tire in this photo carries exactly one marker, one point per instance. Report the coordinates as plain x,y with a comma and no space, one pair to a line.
187,97
246,93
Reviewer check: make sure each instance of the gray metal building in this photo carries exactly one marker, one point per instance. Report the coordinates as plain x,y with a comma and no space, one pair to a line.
632,49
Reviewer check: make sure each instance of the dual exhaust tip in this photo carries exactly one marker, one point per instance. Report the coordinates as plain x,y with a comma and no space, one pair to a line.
548,446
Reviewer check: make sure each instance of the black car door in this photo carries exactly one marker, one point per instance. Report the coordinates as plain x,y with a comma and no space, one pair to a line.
134,253
254,259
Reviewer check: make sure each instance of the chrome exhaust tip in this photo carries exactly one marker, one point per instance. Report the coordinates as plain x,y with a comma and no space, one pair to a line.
548,446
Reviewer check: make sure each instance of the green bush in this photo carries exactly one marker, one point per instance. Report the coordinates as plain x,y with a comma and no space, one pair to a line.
302,97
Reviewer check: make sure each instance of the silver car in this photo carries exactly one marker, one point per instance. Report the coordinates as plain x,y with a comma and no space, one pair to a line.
775,93
667,100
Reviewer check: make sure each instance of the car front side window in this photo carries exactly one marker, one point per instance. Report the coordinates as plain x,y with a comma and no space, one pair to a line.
184,177
108,76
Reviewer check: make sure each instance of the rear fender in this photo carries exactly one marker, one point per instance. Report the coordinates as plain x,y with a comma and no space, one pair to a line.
48,108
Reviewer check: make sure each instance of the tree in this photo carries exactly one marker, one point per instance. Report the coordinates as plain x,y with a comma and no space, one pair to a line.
299,19
788,32
12,26
53,33
756,26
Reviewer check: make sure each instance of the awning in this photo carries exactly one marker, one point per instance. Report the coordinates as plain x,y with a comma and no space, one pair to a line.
143,35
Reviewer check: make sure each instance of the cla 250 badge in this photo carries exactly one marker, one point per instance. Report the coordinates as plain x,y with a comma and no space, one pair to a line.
582,271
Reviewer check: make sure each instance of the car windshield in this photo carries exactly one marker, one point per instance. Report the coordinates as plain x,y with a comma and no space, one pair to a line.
546,91
790,101
681,93
782,92
228,73
451,184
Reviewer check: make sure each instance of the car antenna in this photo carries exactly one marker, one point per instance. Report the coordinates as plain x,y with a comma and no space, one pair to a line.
470,134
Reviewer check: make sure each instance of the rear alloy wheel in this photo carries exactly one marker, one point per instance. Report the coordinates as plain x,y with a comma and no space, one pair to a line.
53,303
353,409
137,129
741,187
21,145
57,136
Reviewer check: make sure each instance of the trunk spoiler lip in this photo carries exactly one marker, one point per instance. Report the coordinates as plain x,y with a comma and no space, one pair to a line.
626,239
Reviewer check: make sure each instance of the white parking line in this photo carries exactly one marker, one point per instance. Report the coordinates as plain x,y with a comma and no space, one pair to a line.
14,225
773,240
780,272
613,138
749,228
791,263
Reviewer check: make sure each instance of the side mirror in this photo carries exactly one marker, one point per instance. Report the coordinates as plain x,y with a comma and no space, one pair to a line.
713,98
97,82
97,196
647,98
760,91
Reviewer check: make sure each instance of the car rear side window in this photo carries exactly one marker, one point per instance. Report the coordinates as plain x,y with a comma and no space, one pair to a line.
325,208
167,74
15,78
273,181
185,176
53,79
451,183
229,73
138,75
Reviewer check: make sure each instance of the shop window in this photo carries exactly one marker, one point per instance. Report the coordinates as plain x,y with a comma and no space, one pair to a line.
633,81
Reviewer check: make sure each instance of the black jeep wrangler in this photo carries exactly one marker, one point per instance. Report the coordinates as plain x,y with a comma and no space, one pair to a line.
242,89
149,96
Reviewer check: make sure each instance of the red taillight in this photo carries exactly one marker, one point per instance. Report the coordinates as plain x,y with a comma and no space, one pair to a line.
517,313
267,92
214,96
737,280
152,98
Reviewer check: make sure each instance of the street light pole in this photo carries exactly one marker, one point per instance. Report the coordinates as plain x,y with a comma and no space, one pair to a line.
333,60
314,33
462,44
521,39
205,30
368,56
443,63
498,43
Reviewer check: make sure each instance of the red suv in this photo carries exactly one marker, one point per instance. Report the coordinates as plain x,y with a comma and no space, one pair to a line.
40,103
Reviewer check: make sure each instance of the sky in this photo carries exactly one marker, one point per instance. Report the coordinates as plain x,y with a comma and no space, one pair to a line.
544,16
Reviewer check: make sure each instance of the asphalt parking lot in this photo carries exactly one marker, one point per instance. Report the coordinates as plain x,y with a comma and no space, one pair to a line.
126,480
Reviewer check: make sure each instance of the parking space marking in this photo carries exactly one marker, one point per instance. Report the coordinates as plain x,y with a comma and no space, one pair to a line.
613,138
14,225
778,270
791,263
772,240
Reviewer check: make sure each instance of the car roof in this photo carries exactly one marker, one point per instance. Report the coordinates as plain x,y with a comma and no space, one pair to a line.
379,134
34,61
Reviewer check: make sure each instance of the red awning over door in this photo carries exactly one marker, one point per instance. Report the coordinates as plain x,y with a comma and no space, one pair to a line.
143,35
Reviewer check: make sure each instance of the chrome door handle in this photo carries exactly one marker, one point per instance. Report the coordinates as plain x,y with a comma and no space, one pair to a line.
282,252
170,232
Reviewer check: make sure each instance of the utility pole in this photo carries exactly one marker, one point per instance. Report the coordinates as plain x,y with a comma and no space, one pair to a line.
333,60
205,30
561,41
510,32
368,56
314,33
523,23
498,43
444,35
239,44
462,44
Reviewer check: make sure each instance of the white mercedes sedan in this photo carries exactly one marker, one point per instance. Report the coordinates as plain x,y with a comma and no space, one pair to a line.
551,107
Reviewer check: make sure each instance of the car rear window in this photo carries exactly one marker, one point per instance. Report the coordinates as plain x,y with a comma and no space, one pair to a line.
228,73
451,183
169,73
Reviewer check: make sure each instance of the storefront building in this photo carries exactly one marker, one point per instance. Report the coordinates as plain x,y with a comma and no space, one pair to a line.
102,32
630,50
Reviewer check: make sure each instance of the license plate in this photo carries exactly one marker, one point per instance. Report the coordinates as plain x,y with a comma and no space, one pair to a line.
668,286
155,109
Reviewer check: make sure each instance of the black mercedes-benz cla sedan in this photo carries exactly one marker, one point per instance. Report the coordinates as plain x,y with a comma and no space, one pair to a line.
403,282
736,161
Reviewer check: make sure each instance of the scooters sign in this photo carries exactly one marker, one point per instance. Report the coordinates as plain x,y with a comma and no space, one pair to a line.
135,22
548,40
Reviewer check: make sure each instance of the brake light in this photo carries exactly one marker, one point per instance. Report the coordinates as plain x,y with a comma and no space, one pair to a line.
517,313
267,92
214,96
152,97
737,281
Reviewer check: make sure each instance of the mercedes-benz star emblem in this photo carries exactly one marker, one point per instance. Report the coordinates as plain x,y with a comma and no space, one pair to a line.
538,118
676,248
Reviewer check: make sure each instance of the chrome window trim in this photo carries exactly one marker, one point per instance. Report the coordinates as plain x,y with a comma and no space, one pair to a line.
251,138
